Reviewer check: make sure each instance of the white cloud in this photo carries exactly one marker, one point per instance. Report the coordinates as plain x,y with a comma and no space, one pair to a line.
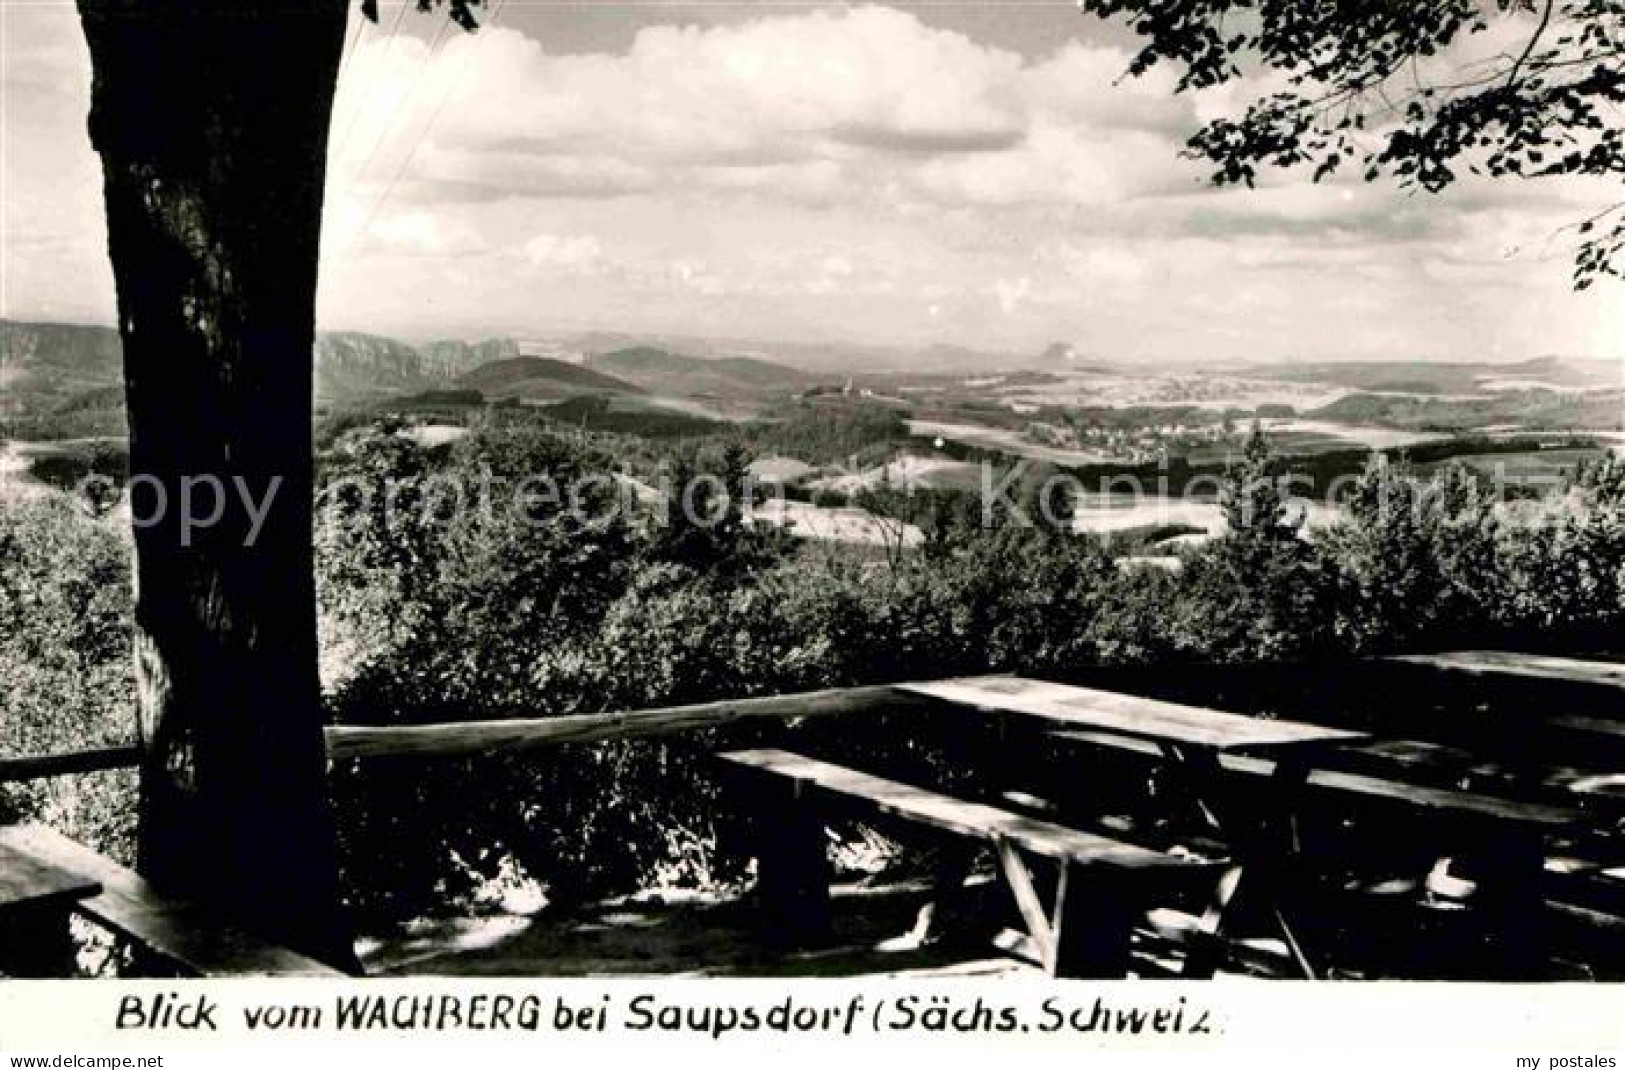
849,103
1011,293
853,172
418,231
578,253
1097,263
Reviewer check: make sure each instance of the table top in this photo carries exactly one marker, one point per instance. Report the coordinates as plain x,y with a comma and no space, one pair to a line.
1132,715
26,880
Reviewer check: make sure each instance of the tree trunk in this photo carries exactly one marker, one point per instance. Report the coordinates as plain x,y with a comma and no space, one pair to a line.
211,118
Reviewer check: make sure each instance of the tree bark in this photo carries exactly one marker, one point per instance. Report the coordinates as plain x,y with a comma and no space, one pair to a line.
211,118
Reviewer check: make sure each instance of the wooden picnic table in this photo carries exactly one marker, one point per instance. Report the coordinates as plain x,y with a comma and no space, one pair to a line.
34,900
1262,840
1164,723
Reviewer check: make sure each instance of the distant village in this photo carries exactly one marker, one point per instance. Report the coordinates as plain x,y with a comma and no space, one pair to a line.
1137,445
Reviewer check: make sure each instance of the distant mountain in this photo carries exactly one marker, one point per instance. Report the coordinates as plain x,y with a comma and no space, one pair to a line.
662,372
58,357
50,367
1058,353
1598,409
820,359
95,399
1064,356
448,359
1596,372
350,364
60,380
1449,377
952,358
541,378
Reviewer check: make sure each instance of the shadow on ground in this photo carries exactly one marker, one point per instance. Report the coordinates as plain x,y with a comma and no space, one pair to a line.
684,935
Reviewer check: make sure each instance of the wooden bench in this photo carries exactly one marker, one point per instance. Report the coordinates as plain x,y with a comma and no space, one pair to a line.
1446,805
1504,839
34,900
1527,666
1101,885
179,935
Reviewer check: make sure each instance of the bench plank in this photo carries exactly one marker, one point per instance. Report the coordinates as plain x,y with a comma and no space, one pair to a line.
1603,730
953,815
1461,804
1100,885
1532,666
1133,715
179,932
28,881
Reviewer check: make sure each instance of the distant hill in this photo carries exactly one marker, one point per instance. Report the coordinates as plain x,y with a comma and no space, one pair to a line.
952,358
447,360
541,378
60,380
1533,409
1444,377
1064,356
350,364
51,367
662,372
809,357
96,399
60,358
626,415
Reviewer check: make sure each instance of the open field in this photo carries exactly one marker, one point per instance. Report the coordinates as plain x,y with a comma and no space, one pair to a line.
429,436
19,478
780,469
907,472
1217,392
15,483
1346,435
1107,514
1541,468
1002,441
845,524
1615,440
716,409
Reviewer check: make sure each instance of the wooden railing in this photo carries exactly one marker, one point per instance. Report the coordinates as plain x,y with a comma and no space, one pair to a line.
1583,897
40,766
520,734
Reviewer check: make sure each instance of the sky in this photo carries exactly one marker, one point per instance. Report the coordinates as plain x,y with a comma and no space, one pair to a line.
908,174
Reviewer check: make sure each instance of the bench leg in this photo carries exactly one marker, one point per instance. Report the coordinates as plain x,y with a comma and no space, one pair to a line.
1511,903
1091,927
793,870
1087,932
1206,948
35,942
952,910
1257,892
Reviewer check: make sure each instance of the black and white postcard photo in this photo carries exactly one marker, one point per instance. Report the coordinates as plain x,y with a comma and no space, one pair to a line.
550,531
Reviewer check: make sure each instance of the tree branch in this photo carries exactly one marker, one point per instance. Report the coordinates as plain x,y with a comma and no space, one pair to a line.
1529,49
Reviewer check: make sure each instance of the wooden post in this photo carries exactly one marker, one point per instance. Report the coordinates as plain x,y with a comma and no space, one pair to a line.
1512,906
793,870
1092,925
35,941
1206,949
952,910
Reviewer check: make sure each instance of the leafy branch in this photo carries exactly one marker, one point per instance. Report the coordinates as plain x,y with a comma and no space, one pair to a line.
1550,109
